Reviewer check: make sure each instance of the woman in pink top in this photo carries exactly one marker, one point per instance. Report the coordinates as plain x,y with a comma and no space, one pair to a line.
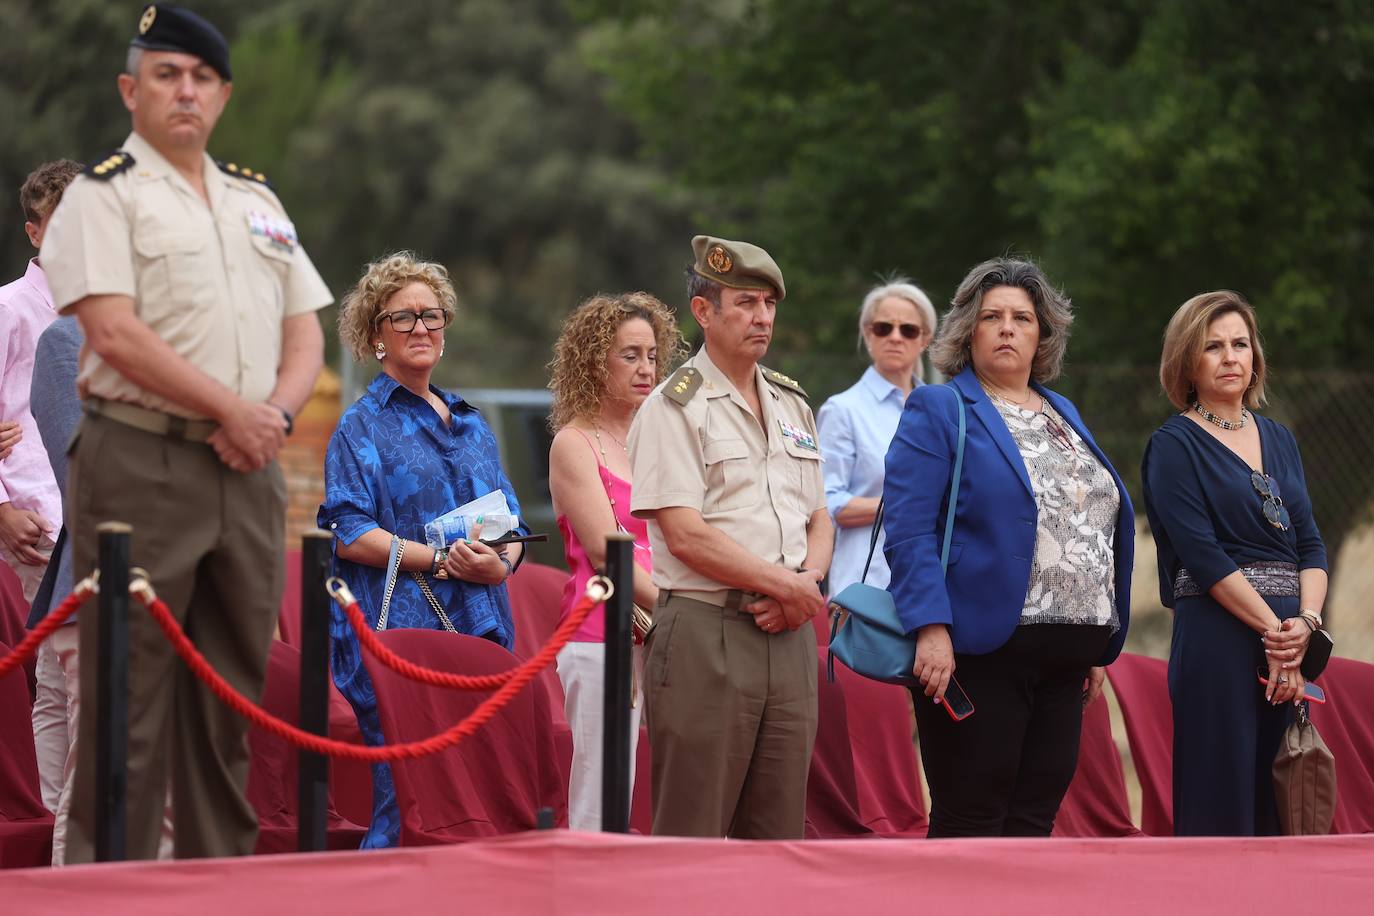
612,352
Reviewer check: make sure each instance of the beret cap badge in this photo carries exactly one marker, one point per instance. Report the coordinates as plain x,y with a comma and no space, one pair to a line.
719,260
146,21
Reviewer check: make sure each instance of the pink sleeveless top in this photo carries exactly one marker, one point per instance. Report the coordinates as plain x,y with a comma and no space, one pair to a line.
593,629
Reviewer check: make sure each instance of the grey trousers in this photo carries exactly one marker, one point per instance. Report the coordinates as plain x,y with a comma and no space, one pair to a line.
731,712
211,540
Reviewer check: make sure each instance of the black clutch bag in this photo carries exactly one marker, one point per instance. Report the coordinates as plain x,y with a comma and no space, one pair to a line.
1318,654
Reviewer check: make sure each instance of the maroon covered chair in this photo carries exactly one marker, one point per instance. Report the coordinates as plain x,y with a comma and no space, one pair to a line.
14,618
832,798
1346,723
1096,804
272,775
25,825
492,783
536,597
289,617
887,773
1141,685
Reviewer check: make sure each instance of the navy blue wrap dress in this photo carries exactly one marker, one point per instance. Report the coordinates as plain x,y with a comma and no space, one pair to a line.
1207,518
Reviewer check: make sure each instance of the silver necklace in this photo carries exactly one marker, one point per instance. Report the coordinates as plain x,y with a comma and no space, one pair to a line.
1221,421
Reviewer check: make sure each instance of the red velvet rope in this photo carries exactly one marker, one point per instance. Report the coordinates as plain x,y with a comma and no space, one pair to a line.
56,617
510,682
516,680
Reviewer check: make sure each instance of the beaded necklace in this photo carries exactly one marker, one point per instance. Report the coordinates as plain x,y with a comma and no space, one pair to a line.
1221,421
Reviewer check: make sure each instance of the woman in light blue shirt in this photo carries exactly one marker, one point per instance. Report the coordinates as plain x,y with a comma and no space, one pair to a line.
896,324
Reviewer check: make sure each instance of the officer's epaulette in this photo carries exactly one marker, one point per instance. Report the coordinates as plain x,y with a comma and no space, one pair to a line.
683,386
777,378
240,171
109,165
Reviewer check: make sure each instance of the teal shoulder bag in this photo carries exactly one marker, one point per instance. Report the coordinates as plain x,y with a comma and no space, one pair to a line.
872,641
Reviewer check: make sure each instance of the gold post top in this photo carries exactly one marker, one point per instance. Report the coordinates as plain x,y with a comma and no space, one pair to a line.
114,528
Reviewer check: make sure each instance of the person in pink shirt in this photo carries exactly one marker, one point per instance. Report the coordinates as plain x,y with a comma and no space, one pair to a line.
30,502
30,505
612,352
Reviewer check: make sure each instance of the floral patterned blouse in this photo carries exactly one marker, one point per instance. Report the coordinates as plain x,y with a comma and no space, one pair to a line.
1072,574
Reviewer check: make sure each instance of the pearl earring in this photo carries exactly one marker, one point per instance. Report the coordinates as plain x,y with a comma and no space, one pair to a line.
441,351
380,352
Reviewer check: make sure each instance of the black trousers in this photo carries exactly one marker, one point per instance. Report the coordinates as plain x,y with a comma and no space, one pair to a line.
1004,770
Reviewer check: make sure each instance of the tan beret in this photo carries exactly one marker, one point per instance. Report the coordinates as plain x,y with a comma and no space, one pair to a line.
737,265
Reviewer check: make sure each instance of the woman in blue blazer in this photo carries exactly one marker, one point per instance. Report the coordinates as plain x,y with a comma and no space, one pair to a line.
1036,597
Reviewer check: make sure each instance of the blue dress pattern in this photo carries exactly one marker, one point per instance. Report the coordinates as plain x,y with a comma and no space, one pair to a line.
393,464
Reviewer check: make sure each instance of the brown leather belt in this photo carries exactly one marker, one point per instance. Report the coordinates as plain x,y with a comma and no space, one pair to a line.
729,599
151,421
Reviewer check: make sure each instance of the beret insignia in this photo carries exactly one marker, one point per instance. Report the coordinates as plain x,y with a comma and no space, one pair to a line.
109,165
145,22
719,260
783,381
240,171
683,385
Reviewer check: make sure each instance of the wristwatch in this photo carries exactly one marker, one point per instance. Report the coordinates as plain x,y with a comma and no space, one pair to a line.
509,567
290,423
438,562
1314,615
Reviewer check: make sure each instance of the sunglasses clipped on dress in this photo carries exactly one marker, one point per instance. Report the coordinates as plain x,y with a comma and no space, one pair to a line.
1274,511
885,328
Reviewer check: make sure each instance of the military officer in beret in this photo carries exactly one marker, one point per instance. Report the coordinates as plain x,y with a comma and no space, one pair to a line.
198,305
728,472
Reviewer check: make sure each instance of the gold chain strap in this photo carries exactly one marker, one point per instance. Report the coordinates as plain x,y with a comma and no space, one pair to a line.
433,601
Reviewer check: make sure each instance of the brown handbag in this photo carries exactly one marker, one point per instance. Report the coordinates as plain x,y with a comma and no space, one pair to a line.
1304,779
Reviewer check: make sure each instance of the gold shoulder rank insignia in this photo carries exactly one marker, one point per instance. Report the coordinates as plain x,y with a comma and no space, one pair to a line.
683,385
241,171
109,165
783,381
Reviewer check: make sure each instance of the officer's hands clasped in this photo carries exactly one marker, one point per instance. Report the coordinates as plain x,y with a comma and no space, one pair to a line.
249,436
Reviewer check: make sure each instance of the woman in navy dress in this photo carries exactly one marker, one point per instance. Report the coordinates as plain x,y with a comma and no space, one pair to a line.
1240,557
404,453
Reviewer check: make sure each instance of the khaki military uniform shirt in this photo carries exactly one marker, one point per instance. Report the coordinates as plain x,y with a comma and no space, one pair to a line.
215,283
757,484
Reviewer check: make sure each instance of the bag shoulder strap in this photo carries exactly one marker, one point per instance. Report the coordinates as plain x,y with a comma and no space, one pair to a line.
953,494
393,566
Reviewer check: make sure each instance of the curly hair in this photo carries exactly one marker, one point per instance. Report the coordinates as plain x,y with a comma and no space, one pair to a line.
952,349
383,279
577,372
42,190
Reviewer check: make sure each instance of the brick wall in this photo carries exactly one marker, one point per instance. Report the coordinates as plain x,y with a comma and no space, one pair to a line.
302,458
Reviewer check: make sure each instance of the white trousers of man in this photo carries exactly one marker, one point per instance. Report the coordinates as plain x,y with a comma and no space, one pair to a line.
582,670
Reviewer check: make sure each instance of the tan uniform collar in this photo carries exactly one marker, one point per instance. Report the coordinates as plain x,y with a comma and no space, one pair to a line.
150,165
716,384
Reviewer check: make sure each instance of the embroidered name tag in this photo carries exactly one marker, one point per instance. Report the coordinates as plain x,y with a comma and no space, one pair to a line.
800,437
280,232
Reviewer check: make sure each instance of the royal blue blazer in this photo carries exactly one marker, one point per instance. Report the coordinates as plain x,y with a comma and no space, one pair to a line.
981,597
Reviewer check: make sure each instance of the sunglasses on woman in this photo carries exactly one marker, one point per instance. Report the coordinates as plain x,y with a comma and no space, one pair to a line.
403,322
1273,508
884,328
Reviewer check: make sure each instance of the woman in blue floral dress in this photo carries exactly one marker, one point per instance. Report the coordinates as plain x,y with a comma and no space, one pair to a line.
403,454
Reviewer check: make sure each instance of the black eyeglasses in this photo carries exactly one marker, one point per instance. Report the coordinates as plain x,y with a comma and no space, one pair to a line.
884,328
1274,511
403,322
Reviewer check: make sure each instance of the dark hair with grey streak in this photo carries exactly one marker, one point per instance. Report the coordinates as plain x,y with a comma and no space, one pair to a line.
952,348
697,285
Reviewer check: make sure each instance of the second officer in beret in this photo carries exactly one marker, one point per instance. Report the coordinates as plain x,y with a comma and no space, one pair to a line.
198,305
728,472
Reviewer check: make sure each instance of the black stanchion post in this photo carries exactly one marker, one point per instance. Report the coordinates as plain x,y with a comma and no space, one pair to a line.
112,703
615,747
313,770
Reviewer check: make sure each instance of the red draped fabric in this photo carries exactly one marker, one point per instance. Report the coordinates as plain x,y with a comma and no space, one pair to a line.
1346,723
25,825
272,778
492,783
887,774
1096,803
832,798
1142,690
14,617
572,874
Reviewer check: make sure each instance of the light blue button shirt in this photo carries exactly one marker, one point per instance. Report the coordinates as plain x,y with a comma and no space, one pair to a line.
855,428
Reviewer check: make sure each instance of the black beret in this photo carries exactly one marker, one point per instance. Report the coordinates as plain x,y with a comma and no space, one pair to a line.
164,27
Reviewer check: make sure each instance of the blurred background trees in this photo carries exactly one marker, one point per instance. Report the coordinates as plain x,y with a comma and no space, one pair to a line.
1142,151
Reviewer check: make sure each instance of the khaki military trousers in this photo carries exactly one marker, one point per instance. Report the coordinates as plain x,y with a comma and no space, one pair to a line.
731,712
211,540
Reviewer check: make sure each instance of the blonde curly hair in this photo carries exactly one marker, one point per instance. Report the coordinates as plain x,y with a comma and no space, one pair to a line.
577,373
381,280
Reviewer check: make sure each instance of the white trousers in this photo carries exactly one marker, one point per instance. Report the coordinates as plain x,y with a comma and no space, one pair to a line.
582,669
58,665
